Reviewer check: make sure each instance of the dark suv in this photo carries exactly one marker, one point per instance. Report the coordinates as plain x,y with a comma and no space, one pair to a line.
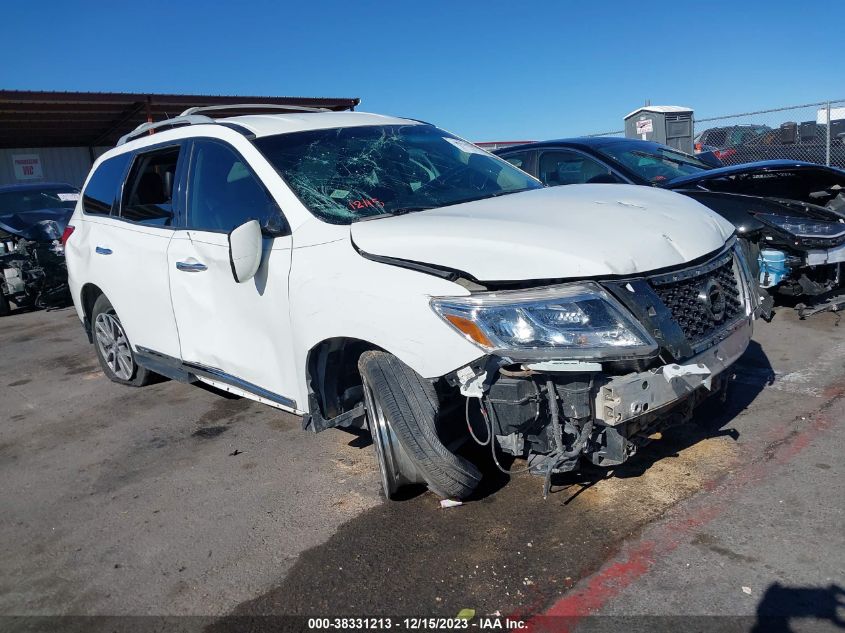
715,139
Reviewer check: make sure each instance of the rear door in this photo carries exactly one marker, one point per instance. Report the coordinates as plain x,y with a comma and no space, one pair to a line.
129,248
237,332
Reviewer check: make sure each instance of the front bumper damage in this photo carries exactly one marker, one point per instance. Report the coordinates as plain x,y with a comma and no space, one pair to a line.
555,418
625,398
557,413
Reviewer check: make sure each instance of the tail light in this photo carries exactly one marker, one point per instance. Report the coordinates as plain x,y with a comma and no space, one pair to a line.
69,229
724,153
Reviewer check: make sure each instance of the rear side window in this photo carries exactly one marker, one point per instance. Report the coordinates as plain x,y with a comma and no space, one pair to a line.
148,194
103,188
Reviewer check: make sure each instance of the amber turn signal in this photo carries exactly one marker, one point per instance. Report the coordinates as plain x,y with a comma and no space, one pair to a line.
470,329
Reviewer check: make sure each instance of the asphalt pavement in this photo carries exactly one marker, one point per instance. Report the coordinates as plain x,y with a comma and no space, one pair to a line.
176,500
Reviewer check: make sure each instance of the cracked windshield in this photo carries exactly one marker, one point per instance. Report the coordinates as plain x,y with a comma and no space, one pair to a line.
345,175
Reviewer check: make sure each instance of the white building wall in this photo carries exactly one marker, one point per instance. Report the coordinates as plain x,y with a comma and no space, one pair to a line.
58,164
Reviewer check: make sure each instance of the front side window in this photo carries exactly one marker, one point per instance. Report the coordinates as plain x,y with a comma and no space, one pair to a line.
654,163
572,168
519,159
103,187
346,174
223,193
148,194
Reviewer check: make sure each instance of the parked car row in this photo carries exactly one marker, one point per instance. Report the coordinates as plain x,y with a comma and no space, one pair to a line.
807,141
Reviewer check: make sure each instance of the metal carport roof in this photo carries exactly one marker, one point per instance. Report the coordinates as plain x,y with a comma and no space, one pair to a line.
89,119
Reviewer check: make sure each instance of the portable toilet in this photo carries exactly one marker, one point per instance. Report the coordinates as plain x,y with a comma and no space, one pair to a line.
670,125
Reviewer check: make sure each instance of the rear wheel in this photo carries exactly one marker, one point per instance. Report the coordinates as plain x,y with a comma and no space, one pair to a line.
5,308
402,410
113,348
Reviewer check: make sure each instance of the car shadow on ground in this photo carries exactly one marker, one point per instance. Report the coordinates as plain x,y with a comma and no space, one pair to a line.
782,606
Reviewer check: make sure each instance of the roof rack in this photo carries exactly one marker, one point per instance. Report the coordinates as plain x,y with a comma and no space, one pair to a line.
191,116
252,106
148,128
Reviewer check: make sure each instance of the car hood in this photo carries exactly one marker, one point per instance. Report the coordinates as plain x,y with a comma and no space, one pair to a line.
42,225
803,189
762,166
577,231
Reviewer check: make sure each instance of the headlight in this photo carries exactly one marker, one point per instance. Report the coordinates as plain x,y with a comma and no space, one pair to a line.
580,321
803,227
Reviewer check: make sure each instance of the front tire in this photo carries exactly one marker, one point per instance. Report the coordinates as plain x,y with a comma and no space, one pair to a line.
5,307
402,410
113,348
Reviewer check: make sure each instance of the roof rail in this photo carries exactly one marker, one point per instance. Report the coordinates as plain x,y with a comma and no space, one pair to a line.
191,116
252,106
146,128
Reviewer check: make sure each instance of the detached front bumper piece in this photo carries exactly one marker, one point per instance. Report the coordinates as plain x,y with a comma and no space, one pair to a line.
555,418
622,399
817,257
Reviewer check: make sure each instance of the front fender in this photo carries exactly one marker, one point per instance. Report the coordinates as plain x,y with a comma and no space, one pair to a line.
337,293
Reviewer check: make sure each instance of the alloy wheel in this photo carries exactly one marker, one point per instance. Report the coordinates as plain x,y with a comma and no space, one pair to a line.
113,345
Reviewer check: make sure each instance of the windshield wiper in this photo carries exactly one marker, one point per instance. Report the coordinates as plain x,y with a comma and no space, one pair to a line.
495,194
404,210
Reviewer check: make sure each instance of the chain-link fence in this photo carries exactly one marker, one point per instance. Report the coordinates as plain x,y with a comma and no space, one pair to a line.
814,132
614,133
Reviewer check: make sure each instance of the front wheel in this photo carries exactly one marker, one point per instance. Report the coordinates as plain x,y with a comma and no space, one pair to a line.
5,308
113,348
402,410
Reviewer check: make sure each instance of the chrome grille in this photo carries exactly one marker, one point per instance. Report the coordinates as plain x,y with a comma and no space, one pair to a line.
702,300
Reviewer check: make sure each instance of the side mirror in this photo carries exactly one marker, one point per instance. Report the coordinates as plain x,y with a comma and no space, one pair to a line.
275,225
245,250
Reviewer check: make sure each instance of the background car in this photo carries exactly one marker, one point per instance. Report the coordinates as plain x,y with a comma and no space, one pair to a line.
806,141
791,214
33,218
718,139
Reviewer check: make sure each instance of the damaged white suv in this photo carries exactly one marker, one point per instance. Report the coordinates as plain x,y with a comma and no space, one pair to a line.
360,269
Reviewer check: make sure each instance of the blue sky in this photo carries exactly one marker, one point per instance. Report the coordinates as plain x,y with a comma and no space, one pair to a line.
485,70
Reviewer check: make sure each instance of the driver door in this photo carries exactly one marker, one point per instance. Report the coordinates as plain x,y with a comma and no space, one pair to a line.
232,333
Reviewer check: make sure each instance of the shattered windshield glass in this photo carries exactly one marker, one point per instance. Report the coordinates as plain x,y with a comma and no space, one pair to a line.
346,174
657,165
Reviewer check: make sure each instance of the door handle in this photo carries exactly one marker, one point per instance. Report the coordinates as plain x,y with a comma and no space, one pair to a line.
103,251
191,267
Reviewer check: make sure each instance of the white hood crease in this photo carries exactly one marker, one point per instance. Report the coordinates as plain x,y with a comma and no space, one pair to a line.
557,232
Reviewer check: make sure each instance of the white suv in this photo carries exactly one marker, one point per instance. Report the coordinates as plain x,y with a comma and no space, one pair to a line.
361,269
